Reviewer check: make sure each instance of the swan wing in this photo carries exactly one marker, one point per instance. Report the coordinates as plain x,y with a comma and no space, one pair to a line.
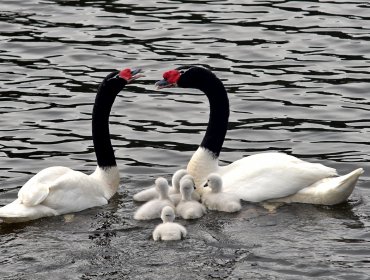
63,190
271,175
36,189
75,191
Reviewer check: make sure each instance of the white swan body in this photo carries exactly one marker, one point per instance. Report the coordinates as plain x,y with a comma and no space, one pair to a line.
218,200
153,208
187,207
151,193
259,177
268,176
59,190
169,230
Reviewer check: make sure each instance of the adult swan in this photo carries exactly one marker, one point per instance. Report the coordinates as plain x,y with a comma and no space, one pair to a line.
260,177
59,190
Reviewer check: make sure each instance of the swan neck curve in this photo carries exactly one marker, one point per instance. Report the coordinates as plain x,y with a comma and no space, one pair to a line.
100,123
216,93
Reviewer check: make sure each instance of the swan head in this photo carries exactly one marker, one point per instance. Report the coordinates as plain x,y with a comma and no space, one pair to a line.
214,181
188,76
186,187
177,177
115,81
167,214
161,186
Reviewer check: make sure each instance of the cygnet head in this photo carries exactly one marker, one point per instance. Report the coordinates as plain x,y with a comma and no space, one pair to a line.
161,185
214,181
167,214
186,188
188,177
177,177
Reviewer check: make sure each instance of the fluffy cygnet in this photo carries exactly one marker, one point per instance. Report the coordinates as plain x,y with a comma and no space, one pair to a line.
151,193
168,230
187,207
218,200
176,197
152,209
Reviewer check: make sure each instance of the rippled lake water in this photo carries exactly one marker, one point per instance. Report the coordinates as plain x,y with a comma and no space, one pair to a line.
298,78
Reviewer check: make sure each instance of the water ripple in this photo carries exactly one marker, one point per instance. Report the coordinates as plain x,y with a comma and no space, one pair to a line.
297,73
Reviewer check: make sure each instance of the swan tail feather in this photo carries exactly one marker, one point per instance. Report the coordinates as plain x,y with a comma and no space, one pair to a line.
327,191
15,212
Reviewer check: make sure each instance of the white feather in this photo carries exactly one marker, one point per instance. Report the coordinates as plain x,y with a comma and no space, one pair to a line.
153,208
169,230
218,200
187,207
151,193
268,176
60,190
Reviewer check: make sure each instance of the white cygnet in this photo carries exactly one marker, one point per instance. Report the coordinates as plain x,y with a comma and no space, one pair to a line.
176,197
187,207
169,230
153,208
218,200
151,193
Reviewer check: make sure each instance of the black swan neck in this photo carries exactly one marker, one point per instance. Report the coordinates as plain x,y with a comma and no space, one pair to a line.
219,114
100,125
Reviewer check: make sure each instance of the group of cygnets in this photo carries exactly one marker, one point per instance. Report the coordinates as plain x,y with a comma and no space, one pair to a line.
181,200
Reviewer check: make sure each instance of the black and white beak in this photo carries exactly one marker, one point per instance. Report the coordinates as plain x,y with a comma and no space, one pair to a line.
164,84
136,73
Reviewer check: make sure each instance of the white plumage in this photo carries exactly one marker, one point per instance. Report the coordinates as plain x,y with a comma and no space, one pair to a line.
187,207
169,230
176,197
218,200
271,176
151,193
153,208
59,190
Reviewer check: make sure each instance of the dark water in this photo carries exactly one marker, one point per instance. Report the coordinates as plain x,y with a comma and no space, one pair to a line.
298,77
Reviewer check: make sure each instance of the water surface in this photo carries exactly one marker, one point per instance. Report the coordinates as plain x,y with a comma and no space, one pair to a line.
297,73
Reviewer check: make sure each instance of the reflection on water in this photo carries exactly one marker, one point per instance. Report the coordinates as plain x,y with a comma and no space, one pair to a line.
297,73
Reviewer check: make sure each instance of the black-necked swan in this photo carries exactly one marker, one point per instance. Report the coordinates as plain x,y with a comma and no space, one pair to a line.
218,200
169,230
59,190
151,193
259,177
153,208
187,207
